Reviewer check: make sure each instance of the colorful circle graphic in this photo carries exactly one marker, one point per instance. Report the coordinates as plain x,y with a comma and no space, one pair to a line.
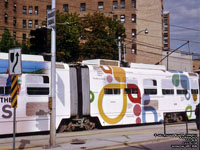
137,110
91,96
100,104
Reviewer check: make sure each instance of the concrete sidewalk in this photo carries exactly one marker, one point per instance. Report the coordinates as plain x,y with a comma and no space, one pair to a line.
102,138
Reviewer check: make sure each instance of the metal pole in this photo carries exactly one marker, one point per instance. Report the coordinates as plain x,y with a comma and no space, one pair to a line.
52,140
119,48
167,60
124,52
14,127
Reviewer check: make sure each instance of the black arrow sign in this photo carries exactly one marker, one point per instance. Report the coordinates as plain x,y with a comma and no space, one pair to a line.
17,55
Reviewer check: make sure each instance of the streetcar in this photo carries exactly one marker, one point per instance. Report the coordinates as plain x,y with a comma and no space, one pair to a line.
94,92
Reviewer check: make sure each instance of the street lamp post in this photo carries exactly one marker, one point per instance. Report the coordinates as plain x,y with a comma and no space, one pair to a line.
146,31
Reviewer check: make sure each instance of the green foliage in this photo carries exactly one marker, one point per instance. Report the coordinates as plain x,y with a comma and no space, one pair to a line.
89,37
6,42
101,35
67,37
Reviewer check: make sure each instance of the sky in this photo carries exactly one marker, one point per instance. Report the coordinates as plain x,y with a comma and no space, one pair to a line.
184,13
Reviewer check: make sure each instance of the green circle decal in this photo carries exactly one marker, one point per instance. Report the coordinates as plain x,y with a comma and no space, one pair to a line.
91,96
175,80
190,109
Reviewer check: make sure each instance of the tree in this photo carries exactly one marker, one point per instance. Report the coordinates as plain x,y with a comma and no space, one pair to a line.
67,37
6,42
101,33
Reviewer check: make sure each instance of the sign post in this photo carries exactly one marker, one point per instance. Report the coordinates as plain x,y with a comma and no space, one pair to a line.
15,68
51,23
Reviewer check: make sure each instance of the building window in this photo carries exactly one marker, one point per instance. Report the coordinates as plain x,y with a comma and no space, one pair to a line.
133,33
6,18
133,3
36,23
100,5
133,18
30,10
36,10
122,4
6,3
24,23
65,8
115,5
30,23
14,21
115,16
24,9
122,18
83,7
14,35
14,7
133,49
24,37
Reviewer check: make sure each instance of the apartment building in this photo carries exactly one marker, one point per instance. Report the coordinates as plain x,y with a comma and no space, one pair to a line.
21,16
166,32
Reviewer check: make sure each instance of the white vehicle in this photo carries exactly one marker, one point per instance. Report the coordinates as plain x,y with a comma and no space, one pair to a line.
93,93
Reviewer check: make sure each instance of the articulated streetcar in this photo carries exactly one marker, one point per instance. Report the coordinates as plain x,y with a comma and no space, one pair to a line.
91,93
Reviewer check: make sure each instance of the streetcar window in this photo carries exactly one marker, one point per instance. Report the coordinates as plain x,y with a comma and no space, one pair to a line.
167,91
108,91
154,83
1,90
194,91
131,91
38,91
166,84
149,83
116,91
184,91
45,79
37,79
7,90
150,91
112,91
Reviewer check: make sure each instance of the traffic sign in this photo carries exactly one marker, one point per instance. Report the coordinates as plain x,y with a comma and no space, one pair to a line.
51,20
15,63
14,91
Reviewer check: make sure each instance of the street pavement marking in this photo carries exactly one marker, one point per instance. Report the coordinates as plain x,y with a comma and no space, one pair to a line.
139,143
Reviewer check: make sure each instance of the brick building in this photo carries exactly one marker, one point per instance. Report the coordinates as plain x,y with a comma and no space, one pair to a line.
21,16
166,31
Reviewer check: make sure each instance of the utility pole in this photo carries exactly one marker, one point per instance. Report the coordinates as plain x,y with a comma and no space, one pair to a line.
119,48
124,47
171,53
52,140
